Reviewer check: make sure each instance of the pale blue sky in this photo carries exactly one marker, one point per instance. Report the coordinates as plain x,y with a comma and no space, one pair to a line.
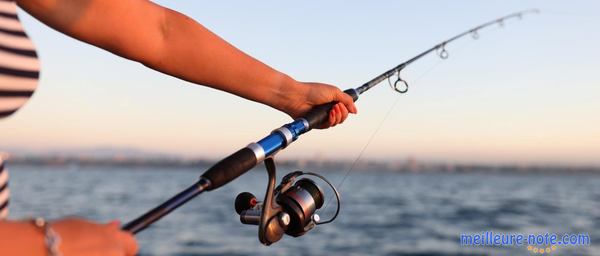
526,93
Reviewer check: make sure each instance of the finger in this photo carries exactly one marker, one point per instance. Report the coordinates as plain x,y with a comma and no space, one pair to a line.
346,100
334,113
130,245
331,121
338,114
344,111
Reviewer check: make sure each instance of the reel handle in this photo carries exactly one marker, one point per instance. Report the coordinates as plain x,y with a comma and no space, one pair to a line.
244,201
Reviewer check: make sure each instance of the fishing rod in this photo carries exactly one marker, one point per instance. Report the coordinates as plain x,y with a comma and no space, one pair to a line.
290,207
401,86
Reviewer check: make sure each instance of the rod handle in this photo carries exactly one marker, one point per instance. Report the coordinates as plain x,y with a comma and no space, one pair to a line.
320,114
244,159
230,168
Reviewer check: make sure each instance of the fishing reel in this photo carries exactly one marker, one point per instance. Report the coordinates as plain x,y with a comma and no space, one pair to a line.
290,208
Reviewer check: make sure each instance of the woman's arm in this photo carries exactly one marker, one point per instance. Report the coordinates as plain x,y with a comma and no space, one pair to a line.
78,237
21,238
174,44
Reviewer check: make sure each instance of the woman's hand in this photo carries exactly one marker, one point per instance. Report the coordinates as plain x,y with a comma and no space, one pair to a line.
299,98
81,237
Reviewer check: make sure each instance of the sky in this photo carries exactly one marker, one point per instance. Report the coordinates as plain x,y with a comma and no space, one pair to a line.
526,93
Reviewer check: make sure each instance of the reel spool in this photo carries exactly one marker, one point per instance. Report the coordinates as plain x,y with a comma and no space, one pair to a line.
290,208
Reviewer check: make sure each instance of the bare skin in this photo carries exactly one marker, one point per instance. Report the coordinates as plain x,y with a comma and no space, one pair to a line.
79,237
174,44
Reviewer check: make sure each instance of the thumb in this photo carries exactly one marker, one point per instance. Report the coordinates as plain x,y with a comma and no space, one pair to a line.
130,245
114,224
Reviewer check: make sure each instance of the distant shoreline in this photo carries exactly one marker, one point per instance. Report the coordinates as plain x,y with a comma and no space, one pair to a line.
407,166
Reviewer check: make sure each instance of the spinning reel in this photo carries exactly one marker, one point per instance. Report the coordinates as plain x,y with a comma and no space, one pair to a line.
288,208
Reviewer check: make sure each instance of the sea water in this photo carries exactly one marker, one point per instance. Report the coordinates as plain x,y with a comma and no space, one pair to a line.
382,213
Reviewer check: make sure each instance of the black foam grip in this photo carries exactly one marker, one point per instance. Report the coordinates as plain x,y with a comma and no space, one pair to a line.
230,168
320,114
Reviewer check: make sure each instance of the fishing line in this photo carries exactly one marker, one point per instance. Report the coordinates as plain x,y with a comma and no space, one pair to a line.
380,124
439,61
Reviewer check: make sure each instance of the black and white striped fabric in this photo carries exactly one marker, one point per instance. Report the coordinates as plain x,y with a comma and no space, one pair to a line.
19,72
4,192
19,66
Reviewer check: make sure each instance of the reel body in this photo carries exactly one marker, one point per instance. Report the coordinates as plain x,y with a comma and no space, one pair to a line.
290,208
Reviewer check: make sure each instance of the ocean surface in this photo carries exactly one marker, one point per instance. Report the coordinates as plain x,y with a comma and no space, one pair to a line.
382,213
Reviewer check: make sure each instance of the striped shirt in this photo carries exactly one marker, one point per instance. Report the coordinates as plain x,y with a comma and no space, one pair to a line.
4,192
19,72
